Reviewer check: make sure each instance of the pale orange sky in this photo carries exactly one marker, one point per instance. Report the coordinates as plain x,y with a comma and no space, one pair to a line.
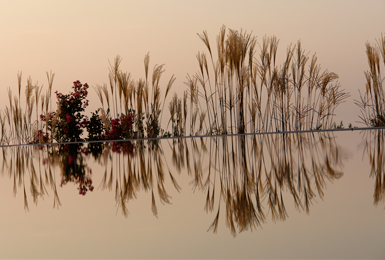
75,39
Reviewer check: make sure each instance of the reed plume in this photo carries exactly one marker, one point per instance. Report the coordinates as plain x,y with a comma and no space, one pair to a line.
243,88
372,100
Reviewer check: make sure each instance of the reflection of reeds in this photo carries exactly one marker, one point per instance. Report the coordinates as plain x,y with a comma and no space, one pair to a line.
20,163
372,100
374,147
247,178
144,170
246,173
243,90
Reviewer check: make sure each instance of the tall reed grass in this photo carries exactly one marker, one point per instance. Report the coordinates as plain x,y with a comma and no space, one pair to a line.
238,91
372,101
19,120
142,97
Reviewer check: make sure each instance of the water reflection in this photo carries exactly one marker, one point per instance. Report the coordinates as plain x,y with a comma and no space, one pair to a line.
250,176
26,165
246,179
141,170
374,148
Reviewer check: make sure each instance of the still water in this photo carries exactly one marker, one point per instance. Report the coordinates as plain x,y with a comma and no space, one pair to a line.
308,195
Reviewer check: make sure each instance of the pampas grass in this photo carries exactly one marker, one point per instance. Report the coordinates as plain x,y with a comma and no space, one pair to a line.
372,100
242,89
141,97
17,126
237,89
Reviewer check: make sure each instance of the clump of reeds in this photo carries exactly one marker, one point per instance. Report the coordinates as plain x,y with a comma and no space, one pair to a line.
16,121
239,91
141,98
372,101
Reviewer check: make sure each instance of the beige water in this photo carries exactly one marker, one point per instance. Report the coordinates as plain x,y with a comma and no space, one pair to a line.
316,197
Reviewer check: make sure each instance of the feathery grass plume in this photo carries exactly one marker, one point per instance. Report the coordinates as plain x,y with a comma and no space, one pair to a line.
146,63
37,99
136,97
131,92
105,92
156,75
99,91
28,90
113,77
50,78
124,83
372,102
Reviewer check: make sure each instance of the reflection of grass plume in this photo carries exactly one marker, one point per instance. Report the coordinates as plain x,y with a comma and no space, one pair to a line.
19,163
374,145
261,170
142,170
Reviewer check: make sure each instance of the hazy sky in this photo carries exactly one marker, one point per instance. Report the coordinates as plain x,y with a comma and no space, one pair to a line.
75,39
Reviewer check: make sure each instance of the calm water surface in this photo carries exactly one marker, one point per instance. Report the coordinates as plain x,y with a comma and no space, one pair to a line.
311,195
